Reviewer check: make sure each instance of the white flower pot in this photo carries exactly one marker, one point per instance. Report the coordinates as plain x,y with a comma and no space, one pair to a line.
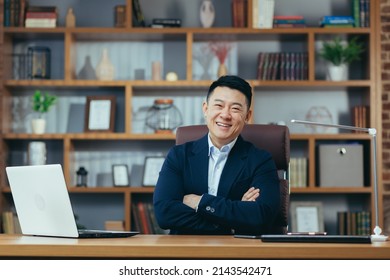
38,126
337,72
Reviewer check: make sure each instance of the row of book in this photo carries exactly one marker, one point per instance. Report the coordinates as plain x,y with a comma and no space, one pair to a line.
282,66
298,172
10,223
360,116
354,223
14,13
361,13
18,14
144,218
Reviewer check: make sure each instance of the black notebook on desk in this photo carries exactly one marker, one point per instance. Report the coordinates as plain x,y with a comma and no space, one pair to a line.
316,238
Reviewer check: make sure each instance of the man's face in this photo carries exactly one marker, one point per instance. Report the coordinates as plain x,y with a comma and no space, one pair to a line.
226,113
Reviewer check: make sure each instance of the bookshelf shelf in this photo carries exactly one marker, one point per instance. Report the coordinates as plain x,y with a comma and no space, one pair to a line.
176,48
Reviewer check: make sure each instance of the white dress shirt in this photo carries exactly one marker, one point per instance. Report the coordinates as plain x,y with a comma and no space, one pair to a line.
217,160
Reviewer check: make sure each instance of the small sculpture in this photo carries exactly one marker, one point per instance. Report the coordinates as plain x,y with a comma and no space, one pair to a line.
207,13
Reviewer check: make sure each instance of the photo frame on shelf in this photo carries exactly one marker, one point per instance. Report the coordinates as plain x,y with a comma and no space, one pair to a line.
307,216
99,114
152,169
120,175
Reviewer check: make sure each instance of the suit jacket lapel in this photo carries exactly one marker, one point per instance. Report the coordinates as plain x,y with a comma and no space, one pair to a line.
232,168
199,164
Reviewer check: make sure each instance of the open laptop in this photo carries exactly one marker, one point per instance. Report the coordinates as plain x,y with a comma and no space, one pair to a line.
43,205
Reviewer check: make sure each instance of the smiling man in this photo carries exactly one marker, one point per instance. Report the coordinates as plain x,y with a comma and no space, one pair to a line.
219,184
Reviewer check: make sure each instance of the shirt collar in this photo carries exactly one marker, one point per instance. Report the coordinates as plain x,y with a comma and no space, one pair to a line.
225,148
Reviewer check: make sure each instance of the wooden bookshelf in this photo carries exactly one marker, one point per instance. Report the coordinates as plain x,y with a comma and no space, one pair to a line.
362,90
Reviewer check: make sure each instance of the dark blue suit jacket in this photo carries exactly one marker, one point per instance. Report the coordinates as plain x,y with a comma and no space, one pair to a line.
185,171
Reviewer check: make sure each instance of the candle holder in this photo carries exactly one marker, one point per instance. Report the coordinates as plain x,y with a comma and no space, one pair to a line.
81,177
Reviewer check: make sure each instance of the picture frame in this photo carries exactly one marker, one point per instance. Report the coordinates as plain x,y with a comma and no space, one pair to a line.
307,216
152,169
120,175
99,114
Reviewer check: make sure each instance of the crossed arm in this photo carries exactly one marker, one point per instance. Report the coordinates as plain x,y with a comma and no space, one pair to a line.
192,200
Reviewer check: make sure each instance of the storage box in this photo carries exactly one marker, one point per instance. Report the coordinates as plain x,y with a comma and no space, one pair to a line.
341,165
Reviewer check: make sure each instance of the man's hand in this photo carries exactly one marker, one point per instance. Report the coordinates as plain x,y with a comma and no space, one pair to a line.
192,200
251,194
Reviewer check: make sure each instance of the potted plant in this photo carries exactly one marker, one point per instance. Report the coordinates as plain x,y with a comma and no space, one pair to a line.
41,103
339,55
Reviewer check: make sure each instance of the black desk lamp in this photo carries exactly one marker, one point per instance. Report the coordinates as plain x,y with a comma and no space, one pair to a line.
377,232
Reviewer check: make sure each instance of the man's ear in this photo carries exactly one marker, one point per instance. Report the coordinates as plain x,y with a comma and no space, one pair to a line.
204,108
248,116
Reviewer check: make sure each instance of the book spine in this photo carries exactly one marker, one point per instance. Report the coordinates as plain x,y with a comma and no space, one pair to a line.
294,21
42,9
41,15
167,21
356,12
292,17
7,13
42,22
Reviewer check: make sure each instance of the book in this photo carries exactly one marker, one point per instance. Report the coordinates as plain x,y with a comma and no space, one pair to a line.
41,9
138,17
114,225
337,25
41,22
168,22
337,20
239,8
41,15
356,12
120,15
288,17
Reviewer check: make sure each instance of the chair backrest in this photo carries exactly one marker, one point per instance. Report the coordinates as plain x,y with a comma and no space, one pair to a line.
273,138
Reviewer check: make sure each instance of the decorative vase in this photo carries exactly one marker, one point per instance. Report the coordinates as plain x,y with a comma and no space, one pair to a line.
222,70
38,126
87,72
207,13
105,69
337,72
70,18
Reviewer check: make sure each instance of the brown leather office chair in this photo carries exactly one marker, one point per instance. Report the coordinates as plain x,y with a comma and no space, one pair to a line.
273,138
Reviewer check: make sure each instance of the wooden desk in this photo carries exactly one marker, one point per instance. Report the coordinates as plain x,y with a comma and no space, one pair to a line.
182,247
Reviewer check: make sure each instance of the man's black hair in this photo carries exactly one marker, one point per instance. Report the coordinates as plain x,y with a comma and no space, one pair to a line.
233,82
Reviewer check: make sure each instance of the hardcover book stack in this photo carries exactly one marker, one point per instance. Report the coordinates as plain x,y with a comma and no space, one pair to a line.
41,16
289,21
282,66
354,223
14,11
337,21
